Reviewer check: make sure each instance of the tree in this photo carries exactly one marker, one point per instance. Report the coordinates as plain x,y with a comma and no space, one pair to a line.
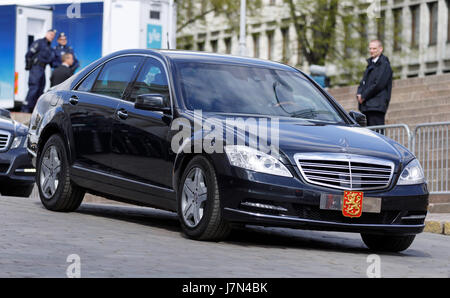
332,32
192,11
315,23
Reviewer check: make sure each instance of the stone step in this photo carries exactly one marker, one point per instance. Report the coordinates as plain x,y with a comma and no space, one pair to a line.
434,189
413,120
439,198
433,158
438,186
424,80
400,105
437,176
420,103
439,170
427,97
413,110
420,88
437,78
439,208
402,86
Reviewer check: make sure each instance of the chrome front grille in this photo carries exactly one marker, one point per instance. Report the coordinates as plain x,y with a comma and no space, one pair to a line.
4,140
345,171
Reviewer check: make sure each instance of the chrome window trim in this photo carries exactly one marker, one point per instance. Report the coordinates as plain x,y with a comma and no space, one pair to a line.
343,157
169,80
8,140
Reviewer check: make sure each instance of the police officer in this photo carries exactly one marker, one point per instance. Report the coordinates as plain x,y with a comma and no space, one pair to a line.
61,49
36,59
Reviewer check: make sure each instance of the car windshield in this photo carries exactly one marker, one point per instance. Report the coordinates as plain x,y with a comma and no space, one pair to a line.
225,88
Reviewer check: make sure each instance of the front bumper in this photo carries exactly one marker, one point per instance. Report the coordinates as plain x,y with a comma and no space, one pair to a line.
16,167
267,200
255,218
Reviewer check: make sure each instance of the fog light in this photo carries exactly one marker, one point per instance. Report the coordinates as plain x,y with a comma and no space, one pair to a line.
264,206
31,170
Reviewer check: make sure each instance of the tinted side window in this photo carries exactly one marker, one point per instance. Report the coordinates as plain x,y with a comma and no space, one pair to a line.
115,76
87,83
152,79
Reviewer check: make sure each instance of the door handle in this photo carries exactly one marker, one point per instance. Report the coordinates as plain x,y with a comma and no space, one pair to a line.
122,114
73,100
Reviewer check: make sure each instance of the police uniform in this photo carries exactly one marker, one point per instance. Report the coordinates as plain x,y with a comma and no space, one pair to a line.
60,50
38,56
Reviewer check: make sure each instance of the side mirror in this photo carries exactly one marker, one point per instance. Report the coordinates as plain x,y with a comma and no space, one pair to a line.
5,113
360,118
151,102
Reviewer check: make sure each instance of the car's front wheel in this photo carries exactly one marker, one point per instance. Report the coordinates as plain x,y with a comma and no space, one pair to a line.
388,243
56,191
199,206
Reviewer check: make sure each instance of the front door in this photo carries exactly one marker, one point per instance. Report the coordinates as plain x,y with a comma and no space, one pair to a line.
140,138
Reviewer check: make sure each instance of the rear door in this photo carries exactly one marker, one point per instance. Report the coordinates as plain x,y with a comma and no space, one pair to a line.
91,107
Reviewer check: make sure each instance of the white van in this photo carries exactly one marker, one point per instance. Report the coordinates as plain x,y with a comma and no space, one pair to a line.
93,29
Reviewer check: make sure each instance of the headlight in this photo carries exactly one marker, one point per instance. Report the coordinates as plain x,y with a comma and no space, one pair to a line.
412,174
16,142
254,160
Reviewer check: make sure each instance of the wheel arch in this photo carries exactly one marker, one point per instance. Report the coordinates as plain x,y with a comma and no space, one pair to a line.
181,162
50,130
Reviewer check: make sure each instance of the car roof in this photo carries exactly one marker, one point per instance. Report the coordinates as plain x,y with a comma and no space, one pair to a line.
182,56
190,56
221,58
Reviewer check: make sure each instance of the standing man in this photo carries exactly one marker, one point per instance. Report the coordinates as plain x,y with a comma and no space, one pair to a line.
36,59
374,91
61,49
62,72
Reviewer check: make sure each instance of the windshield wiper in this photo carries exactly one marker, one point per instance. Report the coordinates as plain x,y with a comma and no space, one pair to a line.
311,113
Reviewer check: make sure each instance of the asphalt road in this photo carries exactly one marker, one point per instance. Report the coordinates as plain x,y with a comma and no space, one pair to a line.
128,241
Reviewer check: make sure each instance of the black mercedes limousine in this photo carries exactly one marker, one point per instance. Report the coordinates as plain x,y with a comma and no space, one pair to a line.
223,141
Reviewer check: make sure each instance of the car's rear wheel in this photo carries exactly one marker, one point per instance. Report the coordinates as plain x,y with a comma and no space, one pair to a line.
56,191
199,208
388,243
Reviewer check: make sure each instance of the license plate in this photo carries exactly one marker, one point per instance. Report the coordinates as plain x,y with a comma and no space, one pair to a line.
352,205
336,202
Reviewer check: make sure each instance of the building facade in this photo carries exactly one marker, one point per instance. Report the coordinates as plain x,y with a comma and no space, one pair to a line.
415,34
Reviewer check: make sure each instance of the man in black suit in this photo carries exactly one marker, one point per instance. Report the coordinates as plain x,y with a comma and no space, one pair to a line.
64,71
374,91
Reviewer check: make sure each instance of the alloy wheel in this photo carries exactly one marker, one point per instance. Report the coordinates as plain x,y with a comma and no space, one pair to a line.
194,197
50,168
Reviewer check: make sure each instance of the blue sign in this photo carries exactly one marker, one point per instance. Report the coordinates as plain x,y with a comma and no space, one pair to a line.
154,36
320,80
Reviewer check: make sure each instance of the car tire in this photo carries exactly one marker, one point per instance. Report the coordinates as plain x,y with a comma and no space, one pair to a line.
205,197
61,194
19,191
388,243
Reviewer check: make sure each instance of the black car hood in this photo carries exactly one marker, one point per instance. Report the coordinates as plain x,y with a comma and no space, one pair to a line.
299,138
14,127
304,136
